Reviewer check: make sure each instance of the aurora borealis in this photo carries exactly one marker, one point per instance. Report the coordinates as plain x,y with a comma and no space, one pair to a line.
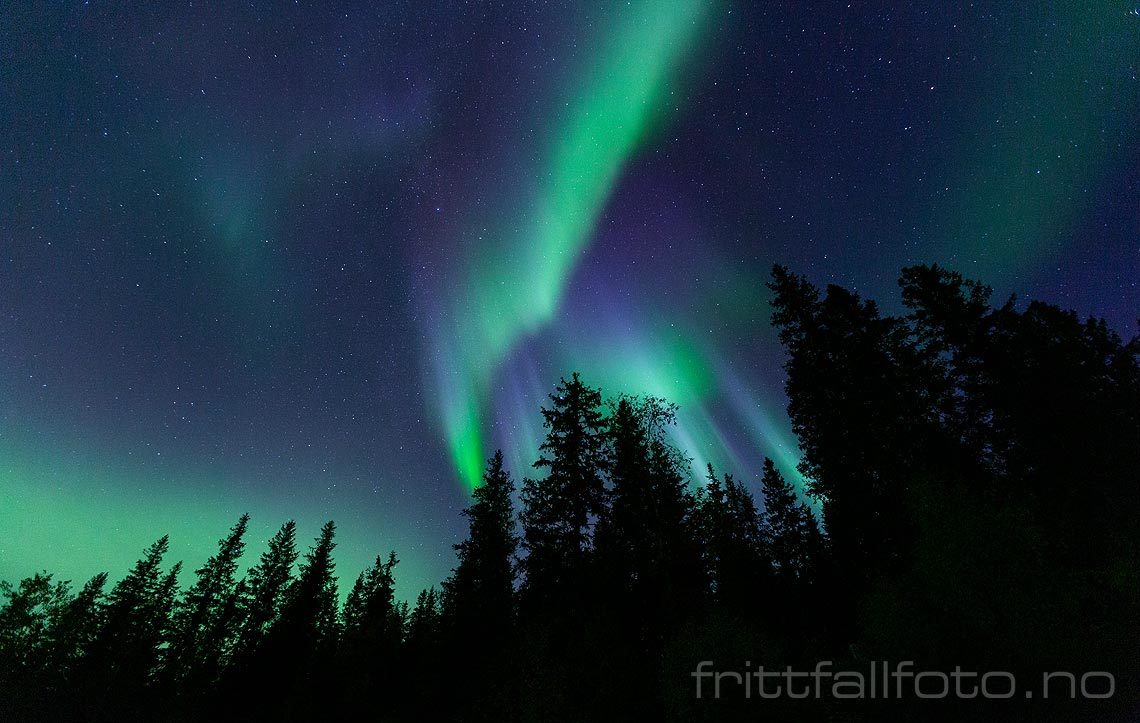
595,128
317,261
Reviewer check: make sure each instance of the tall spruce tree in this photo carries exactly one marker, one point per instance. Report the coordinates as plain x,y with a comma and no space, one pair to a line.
558,512
309,617
262,592
479,593
44,631
205,620
372,598
856,385
120,667
731,531
30,672
425,685
25,622
478,600
647,572
370,646
794,541
292,672
75,624
646,538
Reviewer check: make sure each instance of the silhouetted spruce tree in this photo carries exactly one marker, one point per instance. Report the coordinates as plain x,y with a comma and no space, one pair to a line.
262,592
648,560
121,664
424,621
354,603
73,626
795,543
645,535
30,670
1006,544
858,401
425,677
741,620
72,629
557,518
259,672
372,598
25,619
403,614
292,671
205,619
558,512
370,646
732,534
481,588
309,624
478,599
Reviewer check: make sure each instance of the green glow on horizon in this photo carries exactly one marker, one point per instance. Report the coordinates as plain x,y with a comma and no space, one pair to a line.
513,289
67,513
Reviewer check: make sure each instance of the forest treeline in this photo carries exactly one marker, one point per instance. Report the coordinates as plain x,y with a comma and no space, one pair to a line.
976,471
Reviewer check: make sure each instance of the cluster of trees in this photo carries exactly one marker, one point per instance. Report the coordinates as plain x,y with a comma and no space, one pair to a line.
977,469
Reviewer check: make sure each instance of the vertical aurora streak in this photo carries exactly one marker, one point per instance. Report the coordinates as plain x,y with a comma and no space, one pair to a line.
512,286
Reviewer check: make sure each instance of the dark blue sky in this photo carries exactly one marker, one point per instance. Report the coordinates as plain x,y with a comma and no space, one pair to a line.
304,261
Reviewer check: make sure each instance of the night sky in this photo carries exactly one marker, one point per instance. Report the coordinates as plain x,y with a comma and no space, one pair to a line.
313,260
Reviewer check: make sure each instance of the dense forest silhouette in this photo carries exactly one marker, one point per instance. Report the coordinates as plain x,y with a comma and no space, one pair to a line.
973,474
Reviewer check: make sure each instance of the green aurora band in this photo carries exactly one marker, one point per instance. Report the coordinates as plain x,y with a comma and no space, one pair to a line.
612,112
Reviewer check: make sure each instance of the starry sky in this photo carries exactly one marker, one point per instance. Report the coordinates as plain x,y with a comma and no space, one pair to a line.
317,260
